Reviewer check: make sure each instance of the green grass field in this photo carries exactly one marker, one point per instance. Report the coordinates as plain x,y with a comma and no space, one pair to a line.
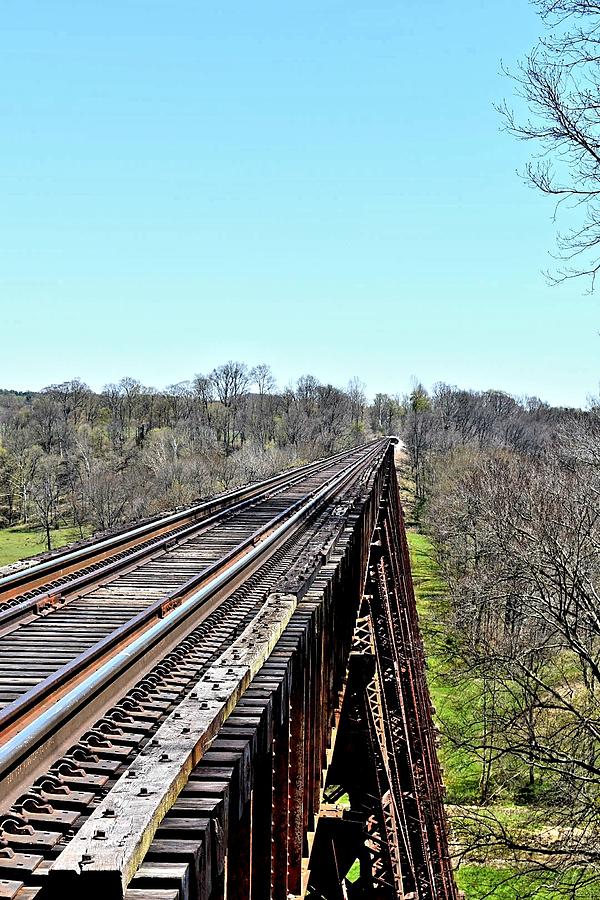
450,695
20,542
479,882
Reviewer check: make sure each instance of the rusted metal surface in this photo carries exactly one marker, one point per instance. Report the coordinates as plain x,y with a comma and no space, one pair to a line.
204,773
50,575
129,817
35,657
385,760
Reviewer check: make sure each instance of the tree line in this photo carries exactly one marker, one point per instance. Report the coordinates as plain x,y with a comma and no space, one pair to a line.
70,455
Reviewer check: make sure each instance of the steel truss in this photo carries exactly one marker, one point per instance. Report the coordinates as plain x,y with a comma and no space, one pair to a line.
382,829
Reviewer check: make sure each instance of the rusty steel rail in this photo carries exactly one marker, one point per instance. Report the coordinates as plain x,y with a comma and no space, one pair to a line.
149,540
125,593
149,537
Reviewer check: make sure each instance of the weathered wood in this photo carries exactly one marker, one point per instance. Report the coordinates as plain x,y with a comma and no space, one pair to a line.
150,894
163,875
262,811
238,865
186,846
9,889
279,846
110,846
297,764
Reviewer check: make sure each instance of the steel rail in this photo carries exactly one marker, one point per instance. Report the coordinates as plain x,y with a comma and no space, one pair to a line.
159,609
247,556
59,566
56,595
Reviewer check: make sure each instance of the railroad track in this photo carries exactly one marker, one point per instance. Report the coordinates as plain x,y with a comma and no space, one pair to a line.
45,581
107,652
79,599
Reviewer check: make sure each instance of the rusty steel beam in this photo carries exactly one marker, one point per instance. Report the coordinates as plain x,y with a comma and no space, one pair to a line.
385,759
60,564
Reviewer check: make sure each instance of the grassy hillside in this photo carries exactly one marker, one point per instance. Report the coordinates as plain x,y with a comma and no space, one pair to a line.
20,542
449,694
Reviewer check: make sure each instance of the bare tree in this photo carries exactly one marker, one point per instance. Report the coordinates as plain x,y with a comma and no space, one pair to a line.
333,416
292,426
110,495
71,397
263,407
560,84
130,390
386,414
8,488
307,392
419,428
47,423
181,399
263,376
521,546
357,398
46,496
230,381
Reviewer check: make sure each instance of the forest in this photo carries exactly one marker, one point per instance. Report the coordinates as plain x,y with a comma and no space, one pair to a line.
506,501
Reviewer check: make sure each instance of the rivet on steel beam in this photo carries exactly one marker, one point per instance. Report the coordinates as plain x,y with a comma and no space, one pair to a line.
109,814
131,773
100,834
164,757
143,792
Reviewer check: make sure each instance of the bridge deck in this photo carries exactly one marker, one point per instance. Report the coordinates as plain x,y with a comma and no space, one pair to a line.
171,701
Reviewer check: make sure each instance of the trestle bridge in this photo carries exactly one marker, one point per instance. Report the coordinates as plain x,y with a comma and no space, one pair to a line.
225,703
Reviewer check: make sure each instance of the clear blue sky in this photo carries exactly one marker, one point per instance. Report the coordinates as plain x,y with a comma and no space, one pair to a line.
321,185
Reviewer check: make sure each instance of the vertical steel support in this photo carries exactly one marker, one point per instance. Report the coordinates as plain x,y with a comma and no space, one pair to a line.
385,758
